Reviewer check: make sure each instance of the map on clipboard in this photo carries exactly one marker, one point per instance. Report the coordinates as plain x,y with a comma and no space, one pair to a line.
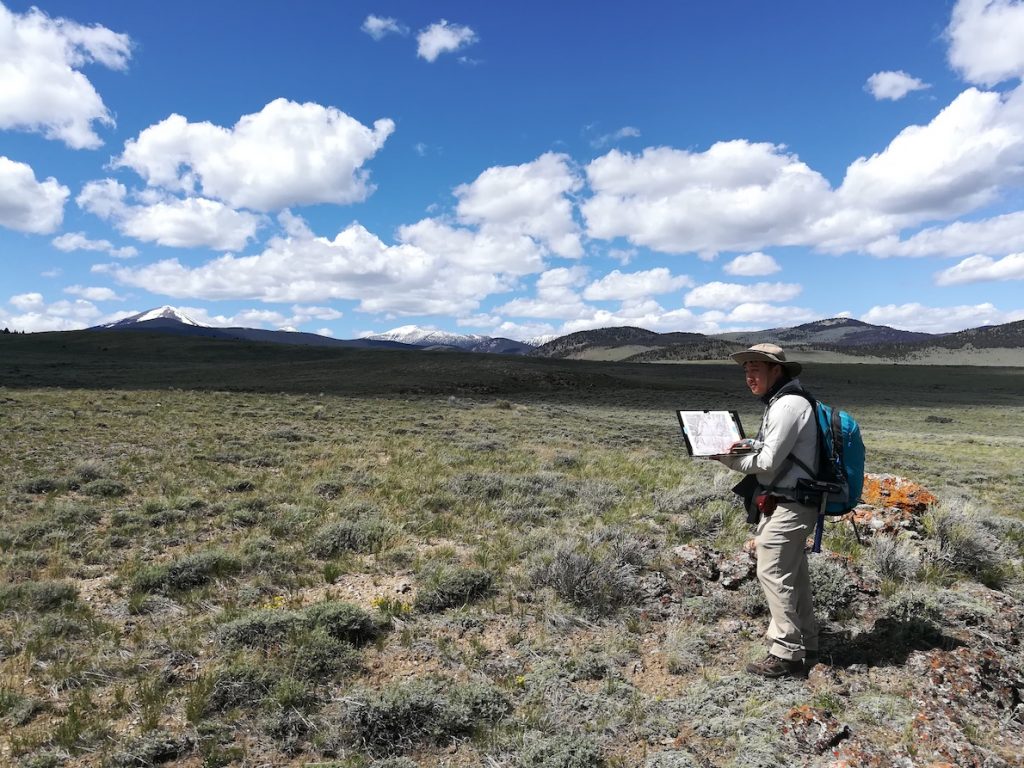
710,433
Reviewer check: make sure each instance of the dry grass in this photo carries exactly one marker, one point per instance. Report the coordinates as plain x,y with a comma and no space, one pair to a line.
175,563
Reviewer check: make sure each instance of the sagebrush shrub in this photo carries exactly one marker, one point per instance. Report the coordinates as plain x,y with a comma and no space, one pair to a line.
318,656
599,572
448,586
962,538
240,684
360,535
260,630
37,595
38,485
893,559
587,578
343,621
402,715
566,750
833,589
186,573
152,748
105,488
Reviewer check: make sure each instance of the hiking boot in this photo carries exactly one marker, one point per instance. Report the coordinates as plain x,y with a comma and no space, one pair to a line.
810,659
773,666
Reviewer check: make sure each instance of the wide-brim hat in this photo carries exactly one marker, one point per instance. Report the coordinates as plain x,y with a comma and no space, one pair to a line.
770,353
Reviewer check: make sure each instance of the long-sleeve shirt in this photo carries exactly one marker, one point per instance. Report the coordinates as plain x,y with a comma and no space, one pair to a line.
787,426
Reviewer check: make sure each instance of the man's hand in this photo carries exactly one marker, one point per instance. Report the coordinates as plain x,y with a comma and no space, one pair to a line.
742,446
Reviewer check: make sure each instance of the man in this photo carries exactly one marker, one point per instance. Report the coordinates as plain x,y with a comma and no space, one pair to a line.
787,439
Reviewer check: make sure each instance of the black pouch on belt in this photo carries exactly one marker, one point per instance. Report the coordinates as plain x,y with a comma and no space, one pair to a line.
747,489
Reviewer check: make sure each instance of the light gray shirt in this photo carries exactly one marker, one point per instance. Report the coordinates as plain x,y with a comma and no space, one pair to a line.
787,426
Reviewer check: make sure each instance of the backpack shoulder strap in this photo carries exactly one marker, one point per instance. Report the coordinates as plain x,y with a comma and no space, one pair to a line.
799,390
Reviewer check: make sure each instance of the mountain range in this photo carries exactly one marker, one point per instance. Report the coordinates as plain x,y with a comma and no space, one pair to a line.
842,338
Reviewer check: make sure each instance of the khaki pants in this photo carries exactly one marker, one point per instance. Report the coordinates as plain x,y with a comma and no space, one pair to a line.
782,571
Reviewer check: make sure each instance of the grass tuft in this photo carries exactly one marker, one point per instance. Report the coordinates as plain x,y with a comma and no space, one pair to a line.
39,596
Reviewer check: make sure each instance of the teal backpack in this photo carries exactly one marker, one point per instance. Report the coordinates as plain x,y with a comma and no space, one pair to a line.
837,485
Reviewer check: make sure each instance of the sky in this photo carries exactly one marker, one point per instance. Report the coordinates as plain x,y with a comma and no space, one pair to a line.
516,170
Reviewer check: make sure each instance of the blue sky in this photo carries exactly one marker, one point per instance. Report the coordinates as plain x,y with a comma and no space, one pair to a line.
542,168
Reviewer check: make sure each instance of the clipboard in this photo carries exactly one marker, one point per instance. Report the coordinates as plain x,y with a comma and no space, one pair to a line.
709,433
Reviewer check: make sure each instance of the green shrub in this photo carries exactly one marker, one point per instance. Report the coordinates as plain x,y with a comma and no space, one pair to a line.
39,485
240,684
260,630
913,608
962,538
402,715
893,559
37,595
151,749
87,471
367,534
343,621
18,708
449,586
832,586
687,651
569,750
318,656
588,576
185,573
329,489
105,488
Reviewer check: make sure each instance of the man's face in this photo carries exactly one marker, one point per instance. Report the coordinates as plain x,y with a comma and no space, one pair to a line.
761,376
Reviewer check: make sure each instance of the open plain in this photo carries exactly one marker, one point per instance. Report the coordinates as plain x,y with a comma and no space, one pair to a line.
217,554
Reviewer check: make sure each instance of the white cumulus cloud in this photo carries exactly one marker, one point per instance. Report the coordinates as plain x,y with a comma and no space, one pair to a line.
978,268
956,163
625,286
893,85
286,154
93,293
753,264
33,314
722,296
986,40
625,132
914,316
735,196
41,86
378,27
191,222
531,199
451,278
26,301
78,241
960,238
556,296
27,204
443,37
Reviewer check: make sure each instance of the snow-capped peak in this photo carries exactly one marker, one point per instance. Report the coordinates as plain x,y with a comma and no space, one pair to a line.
540,341
427,337
160,313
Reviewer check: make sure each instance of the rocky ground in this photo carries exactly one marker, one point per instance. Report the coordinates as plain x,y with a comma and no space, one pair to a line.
954,657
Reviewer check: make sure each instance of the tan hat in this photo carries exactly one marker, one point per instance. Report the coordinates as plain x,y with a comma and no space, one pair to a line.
770,353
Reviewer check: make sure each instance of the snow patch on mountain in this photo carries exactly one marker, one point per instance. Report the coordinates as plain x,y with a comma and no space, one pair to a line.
429,337
540,341
165,312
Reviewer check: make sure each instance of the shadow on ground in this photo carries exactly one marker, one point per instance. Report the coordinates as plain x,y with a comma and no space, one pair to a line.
889,643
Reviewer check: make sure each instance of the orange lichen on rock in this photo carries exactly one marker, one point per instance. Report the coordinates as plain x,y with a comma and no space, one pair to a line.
893,491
